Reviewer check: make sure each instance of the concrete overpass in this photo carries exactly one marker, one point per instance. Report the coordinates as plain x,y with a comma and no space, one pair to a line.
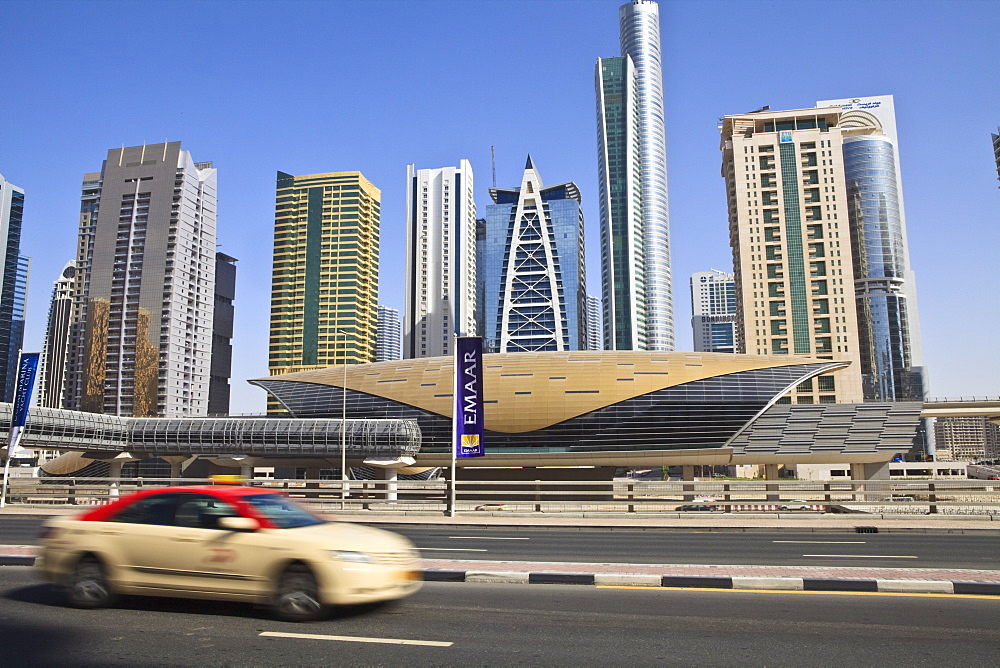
988,407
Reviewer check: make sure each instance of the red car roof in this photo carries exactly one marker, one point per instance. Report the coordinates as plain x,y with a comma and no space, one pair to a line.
224,492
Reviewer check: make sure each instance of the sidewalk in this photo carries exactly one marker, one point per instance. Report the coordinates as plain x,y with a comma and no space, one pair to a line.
740,577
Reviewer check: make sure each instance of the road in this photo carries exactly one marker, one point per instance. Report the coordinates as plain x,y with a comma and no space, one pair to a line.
470,624
584,545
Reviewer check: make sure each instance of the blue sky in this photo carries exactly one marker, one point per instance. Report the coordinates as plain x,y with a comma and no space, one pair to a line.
306,87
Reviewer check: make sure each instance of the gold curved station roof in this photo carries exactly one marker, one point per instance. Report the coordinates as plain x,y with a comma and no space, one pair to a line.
529,391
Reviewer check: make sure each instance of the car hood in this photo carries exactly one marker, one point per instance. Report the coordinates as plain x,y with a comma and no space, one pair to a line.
346,536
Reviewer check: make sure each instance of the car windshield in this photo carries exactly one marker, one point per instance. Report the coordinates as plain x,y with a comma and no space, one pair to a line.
282,511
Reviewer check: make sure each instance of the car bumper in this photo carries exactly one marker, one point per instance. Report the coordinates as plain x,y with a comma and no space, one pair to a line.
348,584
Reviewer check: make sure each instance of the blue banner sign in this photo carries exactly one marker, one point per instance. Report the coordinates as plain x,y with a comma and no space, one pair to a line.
469,419
26,368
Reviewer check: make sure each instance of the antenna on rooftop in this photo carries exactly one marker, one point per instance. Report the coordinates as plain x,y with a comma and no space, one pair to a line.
493,158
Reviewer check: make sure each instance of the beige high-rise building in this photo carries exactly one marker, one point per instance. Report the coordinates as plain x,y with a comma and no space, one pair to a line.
791,241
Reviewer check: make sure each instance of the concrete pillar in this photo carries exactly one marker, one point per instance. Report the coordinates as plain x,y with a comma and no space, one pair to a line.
246,470
869,474
175,469
771,473
391,476
687,475
115,476
312,474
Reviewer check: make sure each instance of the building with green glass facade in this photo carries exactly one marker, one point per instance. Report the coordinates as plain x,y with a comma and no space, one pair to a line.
622,238
324,286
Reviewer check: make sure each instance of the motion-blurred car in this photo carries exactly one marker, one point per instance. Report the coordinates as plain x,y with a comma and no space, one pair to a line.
796,504
696,507
228,543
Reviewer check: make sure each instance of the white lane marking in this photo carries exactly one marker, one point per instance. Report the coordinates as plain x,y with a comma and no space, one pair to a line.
484,538
862,556
383,641
823,542
453,549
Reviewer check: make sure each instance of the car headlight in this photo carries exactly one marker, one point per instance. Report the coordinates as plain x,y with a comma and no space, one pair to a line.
356,557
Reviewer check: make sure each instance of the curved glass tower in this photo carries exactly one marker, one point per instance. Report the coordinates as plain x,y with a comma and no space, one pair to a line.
879,268
639,25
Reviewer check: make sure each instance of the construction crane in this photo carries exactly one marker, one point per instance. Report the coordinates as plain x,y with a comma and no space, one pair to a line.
493,158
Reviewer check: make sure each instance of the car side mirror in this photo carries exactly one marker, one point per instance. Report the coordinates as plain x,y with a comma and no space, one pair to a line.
238,523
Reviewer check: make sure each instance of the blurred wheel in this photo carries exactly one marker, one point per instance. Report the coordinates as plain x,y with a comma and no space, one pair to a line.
296,597
87,586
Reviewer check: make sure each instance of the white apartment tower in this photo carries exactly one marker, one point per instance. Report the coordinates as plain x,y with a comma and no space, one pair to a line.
713,309
388,344
144,292
440,289
791,241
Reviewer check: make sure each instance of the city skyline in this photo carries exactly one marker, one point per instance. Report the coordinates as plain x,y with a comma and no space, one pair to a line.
948,176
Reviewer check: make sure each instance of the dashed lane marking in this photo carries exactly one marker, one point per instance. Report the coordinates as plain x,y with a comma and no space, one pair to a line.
863,556
381,641
453,549
484,538
823,542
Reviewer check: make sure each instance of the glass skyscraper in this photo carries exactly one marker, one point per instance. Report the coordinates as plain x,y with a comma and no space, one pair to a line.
13,273
622,240
531,268
639,29
884,283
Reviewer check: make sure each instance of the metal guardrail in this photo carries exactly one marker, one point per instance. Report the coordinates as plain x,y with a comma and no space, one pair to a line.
619,496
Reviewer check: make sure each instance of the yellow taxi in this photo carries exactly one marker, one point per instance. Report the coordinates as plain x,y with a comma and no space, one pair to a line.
225,542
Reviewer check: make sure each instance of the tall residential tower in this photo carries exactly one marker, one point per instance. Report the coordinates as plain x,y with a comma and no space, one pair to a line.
789,225
141,329
440,288
324,286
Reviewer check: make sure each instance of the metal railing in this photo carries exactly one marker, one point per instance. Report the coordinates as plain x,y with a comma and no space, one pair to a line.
974,497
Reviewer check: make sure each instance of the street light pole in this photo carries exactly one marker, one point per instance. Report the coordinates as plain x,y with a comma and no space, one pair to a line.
343,429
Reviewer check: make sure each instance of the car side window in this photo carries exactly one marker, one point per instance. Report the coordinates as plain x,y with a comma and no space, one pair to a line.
157,509
201,511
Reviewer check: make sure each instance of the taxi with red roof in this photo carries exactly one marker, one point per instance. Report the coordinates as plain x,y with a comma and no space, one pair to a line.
229,543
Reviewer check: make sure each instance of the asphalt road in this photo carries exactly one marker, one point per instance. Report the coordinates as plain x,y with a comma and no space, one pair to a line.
580,545
470,624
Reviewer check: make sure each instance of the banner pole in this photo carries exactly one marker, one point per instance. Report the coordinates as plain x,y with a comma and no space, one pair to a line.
452,495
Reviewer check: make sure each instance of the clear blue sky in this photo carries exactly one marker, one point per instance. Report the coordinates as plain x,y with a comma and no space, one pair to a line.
308,87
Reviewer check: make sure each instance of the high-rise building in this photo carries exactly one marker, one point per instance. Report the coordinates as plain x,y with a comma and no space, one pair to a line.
996,151
388,344
884,281
532,268
713,309
620,183
967,439
440,290
141,329
55,350
324,288
792,255
13,279
222,335
595,335
639,32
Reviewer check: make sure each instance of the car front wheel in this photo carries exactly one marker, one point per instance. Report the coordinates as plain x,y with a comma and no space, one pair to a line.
87,586
296,597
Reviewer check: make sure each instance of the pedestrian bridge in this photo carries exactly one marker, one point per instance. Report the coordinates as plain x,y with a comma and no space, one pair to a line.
58,429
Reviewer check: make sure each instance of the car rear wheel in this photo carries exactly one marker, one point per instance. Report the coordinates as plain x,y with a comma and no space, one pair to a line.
296,597
87,586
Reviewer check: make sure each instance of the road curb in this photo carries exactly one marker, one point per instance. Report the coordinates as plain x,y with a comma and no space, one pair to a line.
865,585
